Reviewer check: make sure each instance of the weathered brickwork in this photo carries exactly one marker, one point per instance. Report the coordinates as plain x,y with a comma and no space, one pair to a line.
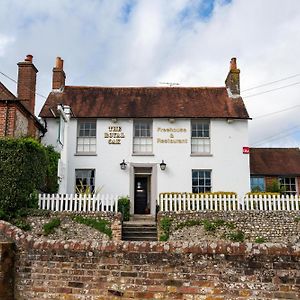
271,225
6,271
7,119
94,270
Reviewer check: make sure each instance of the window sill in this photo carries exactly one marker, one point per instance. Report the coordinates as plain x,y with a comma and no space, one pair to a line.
201,154
142,154
85,154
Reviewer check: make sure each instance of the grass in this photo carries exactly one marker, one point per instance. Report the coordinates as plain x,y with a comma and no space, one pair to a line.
165,225
98,224
51,226
237,236
260,240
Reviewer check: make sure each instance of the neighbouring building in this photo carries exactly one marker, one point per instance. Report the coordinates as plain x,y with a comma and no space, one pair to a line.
17,117
141,141
275,164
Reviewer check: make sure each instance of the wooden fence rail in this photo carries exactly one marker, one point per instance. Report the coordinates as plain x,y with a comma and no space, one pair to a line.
199,202
75,202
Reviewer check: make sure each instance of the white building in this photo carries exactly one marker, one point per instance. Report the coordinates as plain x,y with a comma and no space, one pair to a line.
119,138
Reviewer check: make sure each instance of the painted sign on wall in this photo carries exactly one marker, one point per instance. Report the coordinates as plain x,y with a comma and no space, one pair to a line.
114,135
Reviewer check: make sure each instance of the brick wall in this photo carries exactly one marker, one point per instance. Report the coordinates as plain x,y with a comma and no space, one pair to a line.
6,271
153,270
7,115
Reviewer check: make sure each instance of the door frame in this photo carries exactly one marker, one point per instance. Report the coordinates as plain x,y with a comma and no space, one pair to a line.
152,185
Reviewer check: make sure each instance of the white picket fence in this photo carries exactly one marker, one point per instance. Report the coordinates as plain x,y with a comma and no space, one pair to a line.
199,202
74,202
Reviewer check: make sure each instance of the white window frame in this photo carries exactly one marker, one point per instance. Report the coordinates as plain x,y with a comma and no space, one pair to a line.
200,137
89,179
86,144
282,181
142,137
202,187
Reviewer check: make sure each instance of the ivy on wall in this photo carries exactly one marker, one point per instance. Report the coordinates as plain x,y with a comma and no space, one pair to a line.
25,167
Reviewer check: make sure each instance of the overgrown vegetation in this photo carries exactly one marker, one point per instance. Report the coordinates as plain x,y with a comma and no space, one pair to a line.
51,226
237,236
26,167
207,224
98,224
124,207
51,182
297,219
165,225
260,240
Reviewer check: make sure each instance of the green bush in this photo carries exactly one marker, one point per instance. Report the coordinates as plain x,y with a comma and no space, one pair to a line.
23,164
51,183
26,166
22,224
165,225
260,240
237,236
99,224
50,226
124,207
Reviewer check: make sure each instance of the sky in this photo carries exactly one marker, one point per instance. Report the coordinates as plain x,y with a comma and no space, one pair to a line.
147,42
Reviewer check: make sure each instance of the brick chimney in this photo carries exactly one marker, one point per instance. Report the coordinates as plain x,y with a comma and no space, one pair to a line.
59,76
232,81
27,83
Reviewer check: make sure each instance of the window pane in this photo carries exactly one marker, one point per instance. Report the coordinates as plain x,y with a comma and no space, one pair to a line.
84,180
201,181
86,136
200,139
142,140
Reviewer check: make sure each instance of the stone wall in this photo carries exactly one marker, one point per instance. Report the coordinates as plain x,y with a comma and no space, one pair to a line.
93,270
6,271
275,226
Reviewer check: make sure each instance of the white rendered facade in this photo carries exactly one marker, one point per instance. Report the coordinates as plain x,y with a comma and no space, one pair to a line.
226,162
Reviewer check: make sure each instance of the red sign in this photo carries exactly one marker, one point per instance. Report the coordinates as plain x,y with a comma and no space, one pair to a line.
246,150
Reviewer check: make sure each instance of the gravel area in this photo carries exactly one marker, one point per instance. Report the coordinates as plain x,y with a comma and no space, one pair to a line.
68,230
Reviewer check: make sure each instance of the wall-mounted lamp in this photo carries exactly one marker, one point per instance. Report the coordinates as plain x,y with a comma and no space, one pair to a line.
163,165
123,165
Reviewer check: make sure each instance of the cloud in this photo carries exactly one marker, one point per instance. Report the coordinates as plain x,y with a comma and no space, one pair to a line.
4,42
141,42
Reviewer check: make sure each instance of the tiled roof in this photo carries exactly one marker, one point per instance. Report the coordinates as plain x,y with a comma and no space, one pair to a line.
5,94
275,161
147,102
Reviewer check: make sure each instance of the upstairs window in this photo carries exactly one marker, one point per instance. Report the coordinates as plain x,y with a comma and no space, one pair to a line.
257,184
288,185
86,136
142,137
201,181
200,137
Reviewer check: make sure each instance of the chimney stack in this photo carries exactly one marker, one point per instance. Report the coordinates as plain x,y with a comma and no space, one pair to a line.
59,76
27,83
232,81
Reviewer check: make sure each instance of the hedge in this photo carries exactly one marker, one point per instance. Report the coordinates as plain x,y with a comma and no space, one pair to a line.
24,165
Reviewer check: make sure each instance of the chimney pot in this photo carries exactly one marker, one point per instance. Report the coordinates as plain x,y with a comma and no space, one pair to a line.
29,57
232,81
59,76
233,65
59,63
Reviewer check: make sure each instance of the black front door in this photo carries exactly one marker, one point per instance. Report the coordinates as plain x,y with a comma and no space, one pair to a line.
140,195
